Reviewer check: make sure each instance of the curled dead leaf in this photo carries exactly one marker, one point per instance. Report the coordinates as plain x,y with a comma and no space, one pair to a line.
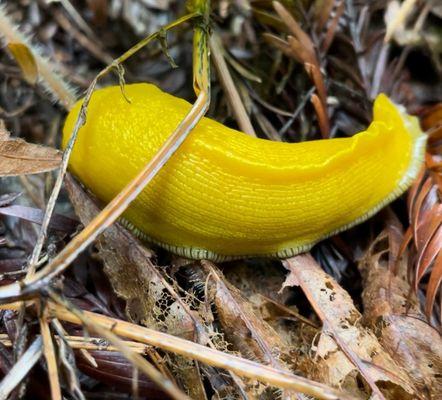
114,368
392,309
243,327
424,236
346,348
18,157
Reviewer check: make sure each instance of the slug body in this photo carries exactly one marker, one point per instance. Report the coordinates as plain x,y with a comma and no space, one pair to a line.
225,194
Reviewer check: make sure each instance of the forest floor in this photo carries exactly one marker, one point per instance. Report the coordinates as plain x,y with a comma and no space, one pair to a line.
357,317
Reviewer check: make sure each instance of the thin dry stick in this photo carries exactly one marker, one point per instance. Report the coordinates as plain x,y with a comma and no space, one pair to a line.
49,353
20,368
88,44
156,358
240,366
98,344
400,18
62,332
137,360
188,349
355,33
87,343
379,70
46,70
76,16
229,86
48,345
289,311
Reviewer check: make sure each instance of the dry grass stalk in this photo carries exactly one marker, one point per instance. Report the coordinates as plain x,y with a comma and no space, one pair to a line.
51,361
399,18
241,367
21,368
49,77
87,343
225,77
136,359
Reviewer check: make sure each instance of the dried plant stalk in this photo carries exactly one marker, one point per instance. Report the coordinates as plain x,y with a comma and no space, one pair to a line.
49,77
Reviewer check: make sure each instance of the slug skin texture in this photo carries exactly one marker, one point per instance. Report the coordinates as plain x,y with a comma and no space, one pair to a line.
225,194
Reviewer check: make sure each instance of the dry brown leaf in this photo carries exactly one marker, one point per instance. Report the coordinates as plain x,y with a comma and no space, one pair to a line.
345,348
296,31
112,368
425,214
434,284
243,328
259,284
25,59
431,121
333,25
134,277
18,157
393,311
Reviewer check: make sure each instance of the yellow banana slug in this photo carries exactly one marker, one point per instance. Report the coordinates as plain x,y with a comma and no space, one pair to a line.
226,195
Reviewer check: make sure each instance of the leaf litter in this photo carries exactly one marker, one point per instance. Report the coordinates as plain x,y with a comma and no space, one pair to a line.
371,328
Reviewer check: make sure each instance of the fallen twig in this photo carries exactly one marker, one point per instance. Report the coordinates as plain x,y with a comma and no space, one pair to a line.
21,368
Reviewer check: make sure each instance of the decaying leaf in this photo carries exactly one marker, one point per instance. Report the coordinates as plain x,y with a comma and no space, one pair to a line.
114,368
150,301
346,350
18,157
392,309
244,329
325,61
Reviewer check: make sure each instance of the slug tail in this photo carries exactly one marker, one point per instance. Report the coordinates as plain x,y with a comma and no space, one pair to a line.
395,117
